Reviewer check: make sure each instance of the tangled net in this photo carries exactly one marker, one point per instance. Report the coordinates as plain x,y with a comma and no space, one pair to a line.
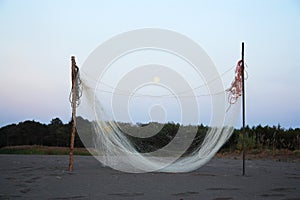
235,90
78,87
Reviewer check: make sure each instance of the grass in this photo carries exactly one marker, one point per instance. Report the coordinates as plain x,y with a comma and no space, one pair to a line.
254,154
42,150
280,155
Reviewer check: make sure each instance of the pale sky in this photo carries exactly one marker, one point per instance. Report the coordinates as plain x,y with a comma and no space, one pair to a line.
39,37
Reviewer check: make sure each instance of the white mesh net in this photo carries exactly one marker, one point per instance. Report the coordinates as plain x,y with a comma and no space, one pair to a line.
134,85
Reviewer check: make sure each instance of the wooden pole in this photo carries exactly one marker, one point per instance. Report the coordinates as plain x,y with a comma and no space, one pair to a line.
243,105
73,66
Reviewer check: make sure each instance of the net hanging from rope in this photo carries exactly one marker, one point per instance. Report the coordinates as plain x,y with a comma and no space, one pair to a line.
113,100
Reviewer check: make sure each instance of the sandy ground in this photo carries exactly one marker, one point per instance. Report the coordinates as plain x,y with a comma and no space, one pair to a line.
46,177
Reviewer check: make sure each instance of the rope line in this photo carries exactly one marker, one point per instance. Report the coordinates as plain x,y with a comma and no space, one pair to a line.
233,92
200,86
161,96
128,93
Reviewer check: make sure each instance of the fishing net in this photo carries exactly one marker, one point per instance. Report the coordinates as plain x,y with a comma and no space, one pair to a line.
139,113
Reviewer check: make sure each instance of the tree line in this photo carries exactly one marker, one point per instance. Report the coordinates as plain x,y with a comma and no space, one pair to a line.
30,132
56,133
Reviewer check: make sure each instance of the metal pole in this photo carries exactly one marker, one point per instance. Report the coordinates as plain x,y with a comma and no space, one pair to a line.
243,105
73,65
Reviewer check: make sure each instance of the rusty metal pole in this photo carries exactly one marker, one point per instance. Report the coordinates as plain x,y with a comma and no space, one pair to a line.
243,107
73,65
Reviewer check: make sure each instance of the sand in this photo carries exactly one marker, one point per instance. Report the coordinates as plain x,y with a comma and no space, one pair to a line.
47,177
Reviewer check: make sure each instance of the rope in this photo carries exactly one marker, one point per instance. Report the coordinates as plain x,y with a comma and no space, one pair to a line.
180,94
235,89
